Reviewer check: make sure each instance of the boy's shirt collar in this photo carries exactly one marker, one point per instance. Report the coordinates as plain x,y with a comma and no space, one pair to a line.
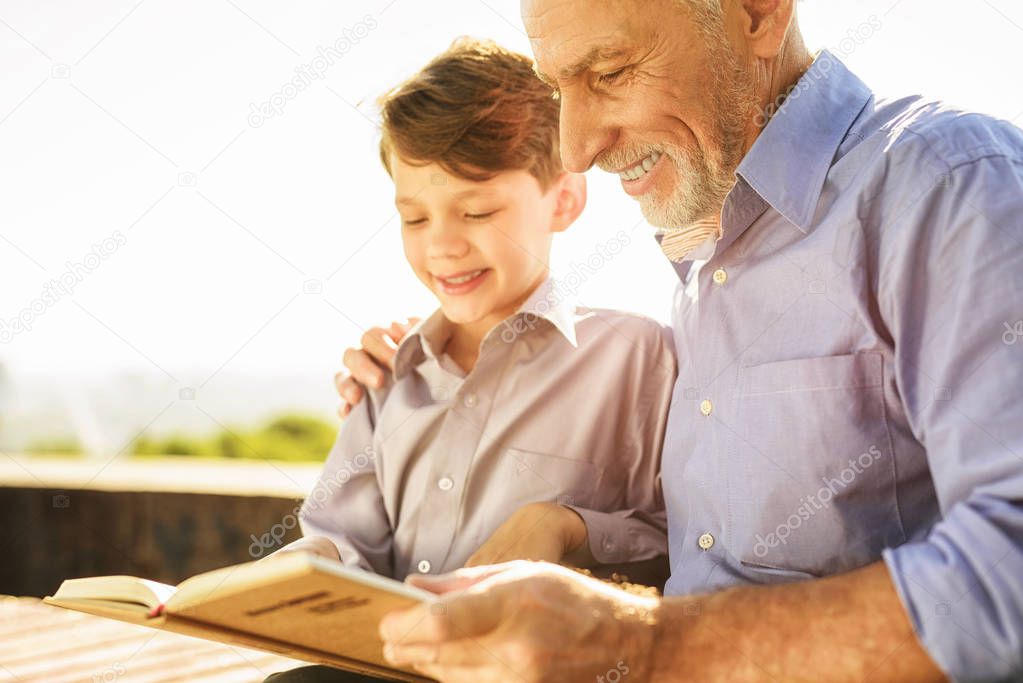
428,338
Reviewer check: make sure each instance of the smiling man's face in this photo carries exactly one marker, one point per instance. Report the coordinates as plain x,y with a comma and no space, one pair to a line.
651,90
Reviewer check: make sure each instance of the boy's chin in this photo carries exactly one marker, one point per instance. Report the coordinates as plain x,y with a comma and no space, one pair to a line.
461,315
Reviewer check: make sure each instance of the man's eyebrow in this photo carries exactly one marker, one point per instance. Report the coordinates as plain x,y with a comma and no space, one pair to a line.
595,55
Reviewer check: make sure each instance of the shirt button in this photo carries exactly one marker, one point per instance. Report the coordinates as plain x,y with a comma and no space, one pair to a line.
720,276
469,400
706,542
706,407
445,484
423,566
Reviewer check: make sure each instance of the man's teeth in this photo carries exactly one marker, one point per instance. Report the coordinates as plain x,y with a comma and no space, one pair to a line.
461,279
641,170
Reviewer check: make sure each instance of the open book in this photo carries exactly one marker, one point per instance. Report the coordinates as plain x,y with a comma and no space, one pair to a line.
297,604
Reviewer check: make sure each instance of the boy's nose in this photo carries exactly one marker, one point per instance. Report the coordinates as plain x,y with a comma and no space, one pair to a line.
447,245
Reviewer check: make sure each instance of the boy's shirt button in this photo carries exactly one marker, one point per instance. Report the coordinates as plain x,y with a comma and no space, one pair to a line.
424,566
445,483
469,400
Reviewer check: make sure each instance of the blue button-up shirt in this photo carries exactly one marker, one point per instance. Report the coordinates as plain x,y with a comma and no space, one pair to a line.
851,367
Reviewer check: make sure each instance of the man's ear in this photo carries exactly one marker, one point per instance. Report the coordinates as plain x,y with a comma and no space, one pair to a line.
570,200
764,25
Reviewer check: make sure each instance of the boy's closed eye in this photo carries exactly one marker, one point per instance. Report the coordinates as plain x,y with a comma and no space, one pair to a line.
482,216
478,217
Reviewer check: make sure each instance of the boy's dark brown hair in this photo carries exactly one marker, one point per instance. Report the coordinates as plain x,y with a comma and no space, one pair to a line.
476,109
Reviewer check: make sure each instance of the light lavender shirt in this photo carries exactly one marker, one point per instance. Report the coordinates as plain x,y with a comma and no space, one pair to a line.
565,404
851,367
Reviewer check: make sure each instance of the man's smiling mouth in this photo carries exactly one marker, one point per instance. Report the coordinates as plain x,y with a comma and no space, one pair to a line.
640,168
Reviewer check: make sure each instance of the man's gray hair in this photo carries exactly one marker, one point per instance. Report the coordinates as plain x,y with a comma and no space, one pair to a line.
708,15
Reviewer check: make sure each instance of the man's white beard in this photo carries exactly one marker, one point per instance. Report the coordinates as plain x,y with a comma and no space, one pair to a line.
698,191
690,214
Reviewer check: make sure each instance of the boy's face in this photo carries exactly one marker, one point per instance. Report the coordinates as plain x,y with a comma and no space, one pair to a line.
480,247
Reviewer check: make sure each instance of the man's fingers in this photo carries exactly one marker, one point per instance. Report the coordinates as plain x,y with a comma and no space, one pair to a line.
363,369
368,363
380,347
458,580
451,661
401,329
348,389
462,615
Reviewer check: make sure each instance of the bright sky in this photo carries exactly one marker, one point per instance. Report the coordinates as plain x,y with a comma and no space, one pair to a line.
266,249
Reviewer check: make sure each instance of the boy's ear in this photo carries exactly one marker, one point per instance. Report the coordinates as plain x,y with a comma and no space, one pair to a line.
570,200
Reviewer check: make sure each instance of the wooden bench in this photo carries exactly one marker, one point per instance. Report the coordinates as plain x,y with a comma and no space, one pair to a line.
43,643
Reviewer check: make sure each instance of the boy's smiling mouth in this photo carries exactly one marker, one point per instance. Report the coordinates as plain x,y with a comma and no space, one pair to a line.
463,282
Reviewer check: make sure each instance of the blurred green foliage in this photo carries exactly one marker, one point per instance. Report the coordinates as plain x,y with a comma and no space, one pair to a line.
288,437
62,447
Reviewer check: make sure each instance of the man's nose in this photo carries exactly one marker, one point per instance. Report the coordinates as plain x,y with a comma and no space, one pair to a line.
583,135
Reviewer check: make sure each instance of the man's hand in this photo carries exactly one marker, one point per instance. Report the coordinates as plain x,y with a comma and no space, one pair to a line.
538,531
534,621
523,621
367,364
317,545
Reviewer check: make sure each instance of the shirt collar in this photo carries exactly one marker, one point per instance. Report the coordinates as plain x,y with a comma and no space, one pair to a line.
790,159
788,163
426,339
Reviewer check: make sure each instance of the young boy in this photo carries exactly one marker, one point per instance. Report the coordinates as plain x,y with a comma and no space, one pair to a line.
516,425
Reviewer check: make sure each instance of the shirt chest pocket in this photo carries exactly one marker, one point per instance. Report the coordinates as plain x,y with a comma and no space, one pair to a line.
516,477
811,484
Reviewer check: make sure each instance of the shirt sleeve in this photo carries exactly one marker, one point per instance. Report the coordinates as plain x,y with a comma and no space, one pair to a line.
346,504
951,291
639,530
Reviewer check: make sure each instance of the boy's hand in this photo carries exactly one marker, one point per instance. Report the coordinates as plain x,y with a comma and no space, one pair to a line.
367,364
317,545
538,531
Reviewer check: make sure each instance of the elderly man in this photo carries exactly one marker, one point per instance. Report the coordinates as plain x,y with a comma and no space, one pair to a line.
843,467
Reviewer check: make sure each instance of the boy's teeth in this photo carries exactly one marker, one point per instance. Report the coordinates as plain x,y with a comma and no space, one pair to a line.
641,170
462,278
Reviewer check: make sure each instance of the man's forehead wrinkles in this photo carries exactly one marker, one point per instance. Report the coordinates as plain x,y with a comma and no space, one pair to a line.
598,52
569,58
545,8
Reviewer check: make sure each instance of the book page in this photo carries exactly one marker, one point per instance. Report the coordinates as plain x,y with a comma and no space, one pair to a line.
115,589
300,599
